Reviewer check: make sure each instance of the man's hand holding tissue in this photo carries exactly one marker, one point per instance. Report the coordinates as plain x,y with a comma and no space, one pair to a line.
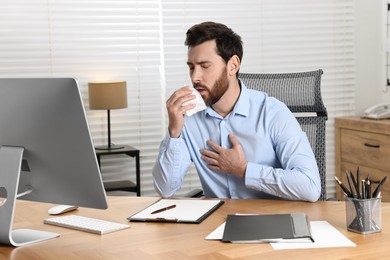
183,101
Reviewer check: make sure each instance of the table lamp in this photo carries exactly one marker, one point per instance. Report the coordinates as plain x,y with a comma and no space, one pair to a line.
107,96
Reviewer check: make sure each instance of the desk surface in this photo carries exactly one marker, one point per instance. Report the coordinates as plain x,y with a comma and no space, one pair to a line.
186,241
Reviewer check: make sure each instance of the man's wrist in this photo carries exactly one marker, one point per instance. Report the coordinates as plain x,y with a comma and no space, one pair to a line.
243,171
174,134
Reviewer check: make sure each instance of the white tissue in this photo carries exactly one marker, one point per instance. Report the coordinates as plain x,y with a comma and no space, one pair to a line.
198,101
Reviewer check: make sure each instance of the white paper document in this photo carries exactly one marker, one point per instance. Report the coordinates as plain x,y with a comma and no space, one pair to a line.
324,234
217,234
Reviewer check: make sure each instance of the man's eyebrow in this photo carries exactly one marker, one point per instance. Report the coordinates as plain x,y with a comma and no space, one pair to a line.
199,63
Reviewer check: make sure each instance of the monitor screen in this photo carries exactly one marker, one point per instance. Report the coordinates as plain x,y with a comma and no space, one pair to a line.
46,118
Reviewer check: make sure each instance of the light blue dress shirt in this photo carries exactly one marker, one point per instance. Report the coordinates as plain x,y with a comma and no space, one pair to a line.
281,163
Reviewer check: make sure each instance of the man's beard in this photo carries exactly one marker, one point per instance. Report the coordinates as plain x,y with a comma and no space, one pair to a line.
218,90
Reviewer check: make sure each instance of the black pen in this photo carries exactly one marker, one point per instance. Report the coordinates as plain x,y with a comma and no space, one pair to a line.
355,184
163,209
345,190
364,189
349,183
368,187
358,183
376,191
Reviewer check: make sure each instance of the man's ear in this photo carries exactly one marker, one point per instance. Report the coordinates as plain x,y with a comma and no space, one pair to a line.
234,65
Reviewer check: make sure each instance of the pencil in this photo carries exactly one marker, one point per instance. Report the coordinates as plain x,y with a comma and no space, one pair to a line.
345,190
376,191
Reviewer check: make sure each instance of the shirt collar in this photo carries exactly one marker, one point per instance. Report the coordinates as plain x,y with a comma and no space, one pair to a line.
240,108
242,105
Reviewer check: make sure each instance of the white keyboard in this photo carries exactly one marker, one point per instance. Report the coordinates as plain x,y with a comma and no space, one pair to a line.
96,226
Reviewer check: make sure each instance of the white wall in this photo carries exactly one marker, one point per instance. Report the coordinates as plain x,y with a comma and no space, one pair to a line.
369,53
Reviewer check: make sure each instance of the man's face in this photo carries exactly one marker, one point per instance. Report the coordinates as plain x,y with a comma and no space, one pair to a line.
208,72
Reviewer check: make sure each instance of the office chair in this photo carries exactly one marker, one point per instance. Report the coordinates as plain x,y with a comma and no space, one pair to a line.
301,92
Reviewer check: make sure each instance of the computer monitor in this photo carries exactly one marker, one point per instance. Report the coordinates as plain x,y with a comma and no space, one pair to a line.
46,151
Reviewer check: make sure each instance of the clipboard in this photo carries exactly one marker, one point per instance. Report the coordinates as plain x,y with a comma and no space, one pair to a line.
267,228
185,211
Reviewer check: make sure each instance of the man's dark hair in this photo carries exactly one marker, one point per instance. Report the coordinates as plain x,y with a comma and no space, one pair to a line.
228,42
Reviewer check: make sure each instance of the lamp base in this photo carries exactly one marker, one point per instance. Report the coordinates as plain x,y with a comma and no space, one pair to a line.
110,147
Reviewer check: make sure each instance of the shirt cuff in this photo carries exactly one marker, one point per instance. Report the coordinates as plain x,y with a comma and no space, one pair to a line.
252,175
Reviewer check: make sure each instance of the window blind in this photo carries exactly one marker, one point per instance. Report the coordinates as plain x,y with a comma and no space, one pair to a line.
142,42
278,36
94,40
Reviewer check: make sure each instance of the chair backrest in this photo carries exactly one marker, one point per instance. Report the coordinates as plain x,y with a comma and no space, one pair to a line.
301,92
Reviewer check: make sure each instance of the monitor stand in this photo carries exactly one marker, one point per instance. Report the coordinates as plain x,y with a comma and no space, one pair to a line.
10,166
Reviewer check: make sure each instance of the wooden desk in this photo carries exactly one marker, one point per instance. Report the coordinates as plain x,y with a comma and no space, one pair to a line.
186,241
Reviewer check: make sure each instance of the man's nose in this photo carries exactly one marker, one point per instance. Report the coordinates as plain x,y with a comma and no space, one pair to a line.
196,75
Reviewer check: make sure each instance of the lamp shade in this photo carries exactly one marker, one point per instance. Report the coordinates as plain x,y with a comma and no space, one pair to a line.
107,95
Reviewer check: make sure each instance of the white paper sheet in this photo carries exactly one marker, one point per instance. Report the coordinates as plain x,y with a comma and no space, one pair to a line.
217,234
184,211
324,234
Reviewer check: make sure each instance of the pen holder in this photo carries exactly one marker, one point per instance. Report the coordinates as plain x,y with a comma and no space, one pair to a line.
364,216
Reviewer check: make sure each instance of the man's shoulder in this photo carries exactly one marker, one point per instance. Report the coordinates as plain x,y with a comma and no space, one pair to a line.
263,99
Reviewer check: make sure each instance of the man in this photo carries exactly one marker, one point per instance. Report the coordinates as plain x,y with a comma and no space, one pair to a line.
245,144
